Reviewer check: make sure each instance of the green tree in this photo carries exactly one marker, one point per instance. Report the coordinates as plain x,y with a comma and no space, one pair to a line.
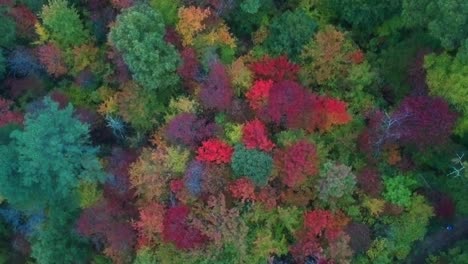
8,29
63,24
139,35
46,161
252,163
399,189
289,32
447,77
446,20
168,9
56,242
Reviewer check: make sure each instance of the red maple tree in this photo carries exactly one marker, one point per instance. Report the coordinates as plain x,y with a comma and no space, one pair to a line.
254,135
215,150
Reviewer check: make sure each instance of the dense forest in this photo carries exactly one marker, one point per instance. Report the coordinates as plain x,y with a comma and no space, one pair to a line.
233,131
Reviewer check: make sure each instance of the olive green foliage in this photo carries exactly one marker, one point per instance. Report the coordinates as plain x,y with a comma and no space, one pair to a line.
177,159
63,24
447,77
233,132
8,29
46,162
336,182
254,164
57,243
168,9
399,189
139,35
272,231
289,32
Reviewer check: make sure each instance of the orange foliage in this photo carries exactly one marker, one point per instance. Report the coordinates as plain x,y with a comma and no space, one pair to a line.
191,22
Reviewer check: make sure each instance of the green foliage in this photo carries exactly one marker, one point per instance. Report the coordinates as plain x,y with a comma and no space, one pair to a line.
139,35
289,32
168,9
2,64
63,24
250,6
8,29
410,227
56,242
362,15
288,137
46,162
251,163
446,20
89,194
457,254
399,189
447,77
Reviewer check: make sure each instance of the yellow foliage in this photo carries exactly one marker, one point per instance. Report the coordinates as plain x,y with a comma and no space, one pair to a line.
241,76
42,33
89,194
82,57
177,159
375,206
220,35
179,105
191,22
109,106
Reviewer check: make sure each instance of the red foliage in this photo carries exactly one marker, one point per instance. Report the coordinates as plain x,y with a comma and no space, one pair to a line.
6,115
276,69
356,57
369,181
267,196
297,162
254,135
243,189
188,70
51,57
215,150
177,230
331,111
25,19
259,93
150,223
176,185
216,92
322,223
60,98
110,220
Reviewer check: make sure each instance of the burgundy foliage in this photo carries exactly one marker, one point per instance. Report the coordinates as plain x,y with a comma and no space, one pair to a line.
216,92
369,181
417,74
186,129
177,230
360,237
6,115
189,68
25,20
173,38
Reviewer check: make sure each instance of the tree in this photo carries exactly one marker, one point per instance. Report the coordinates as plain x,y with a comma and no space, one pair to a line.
216,92
289,32
50,56
167,8
6,115
258,94
177,230
57,243
214,150
139,35
336,183
399,189
243,189
63,24
47,161
254,135
8,29
276,69
296,162
253,164
191,22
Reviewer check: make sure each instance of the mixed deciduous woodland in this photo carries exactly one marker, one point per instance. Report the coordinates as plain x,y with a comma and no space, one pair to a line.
233,131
